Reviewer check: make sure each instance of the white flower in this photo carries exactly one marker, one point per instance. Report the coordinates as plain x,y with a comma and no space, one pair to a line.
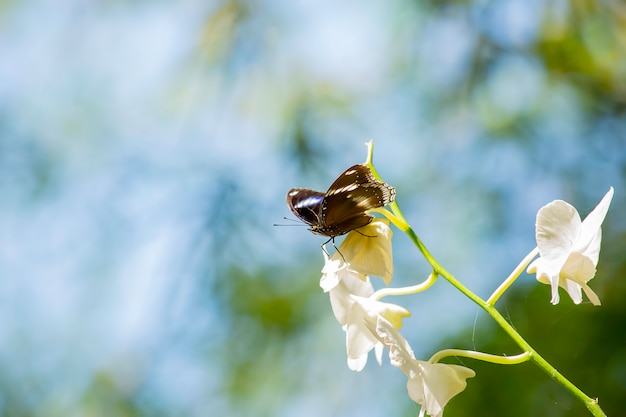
368,250
431,385
335,270
568,248
349,298
345,277
351,284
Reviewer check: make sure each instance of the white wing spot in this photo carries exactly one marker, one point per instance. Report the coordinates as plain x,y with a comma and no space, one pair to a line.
347,188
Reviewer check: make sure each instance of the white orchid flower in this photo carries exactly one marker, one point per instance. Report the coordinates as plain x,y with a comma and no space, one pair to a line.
568,248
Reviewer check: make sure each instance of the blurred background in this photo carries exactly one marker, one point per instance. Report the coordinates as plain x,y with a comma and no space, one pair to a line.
146,148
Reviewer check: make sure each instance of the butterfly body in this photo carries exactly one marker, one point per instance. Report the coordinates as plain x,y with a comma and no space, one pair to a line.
344,206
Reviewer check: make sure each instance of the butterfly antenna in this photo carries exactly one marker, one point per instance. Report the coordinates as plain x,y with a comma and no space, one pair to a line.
292,220
299,223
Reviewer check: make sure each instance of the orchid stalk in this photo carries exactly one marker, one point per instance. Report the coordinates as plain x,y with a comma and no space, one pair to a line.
568,250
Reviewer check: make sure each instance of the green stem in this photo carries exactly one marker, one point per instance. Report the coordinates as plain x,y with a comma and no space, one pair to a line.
387,291
485,357
591,403
511,278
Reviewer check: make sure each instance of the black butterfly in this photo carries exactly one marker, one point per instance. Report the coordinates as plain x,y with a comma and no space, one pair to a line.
343,207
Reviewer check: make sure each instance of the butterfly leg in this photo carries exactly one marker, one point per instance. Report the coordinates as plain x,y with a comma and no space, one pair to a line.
363,234
324,246
332,239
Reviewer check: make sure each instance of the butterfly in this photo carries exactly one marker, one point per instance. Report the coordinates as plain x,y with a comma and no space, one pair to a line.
343,207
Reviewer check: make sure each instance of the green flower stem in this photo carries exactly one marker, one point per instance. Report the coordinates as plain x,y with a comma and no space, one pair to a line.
591,404
385,292
485,357
511,278
398,222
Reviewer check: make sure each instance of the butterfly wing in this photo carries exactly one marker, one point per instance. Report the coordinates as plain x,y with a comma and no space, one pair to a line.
343,207
345,203
305,204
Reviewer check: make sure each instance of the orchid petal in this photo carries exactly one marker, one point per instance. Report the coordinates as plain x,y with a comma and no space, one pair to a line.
575,273
573,290
359,340
357,364
557,227
436,384
330,273
368,250
592,296
341,297
590,234
378,350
